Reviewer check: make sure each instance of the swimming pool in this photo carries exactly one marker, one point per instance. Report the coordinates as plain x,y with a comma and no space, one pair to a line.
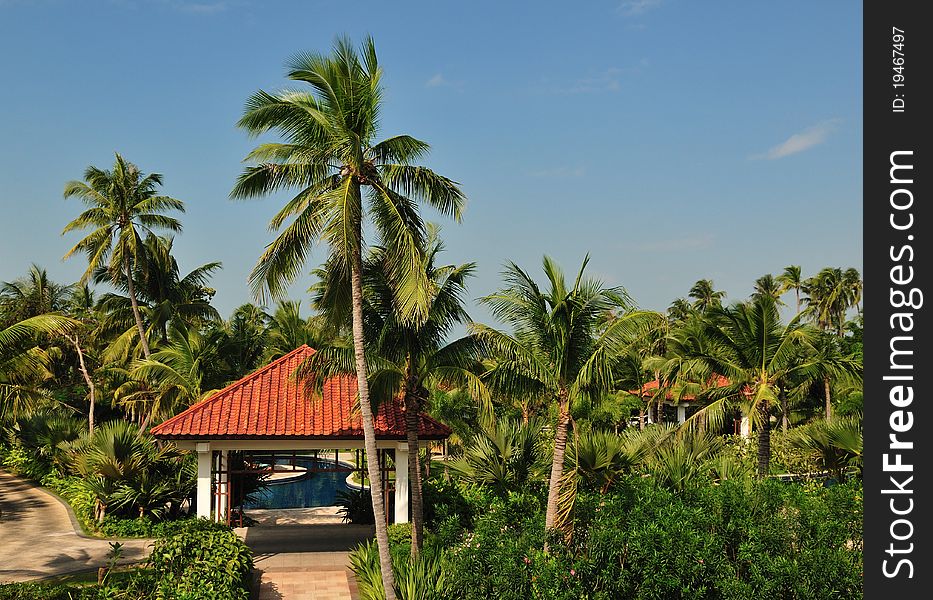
309,490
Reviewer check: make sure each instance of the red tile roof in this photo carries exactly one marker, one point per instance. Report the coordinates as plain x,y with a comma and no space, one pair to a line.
270,404
650,388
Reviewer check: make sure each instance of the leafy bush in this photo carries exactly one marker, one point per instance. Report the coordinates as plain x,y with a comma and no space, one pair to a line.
423,579
741,539
206,564
356,506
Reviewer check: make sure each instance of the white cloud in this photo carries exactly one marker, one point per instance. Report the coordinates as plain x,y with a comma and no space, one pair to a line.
436,81
806,139
634,8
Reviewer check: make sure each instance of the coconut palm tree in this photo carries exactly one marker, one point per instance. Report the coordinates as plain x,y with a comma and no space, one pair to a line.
791,279
123,203
165,296
332,156
288,330
408,357
172,378
705,295
32,295
748,344
23,363
767,285
559,346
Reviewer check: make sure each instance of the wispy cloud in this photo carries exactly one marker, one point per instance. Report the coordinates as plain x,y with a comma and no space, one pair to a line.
804,140
436,81
559,173
439,81
634,8
609,79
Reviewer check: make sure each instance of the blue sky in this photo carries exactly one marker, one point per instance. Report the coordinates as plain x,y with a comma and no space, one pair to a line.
672,140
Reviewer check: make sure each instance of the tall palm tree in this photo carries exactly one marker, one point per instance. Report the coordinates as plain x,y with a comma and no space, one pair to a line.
705,295
332,156
408,357
123,203
830,294
559,346
748,344
792,279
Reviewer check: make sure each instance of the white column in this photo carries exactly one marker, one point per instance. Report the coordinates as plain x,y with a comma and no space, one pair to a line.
745,429
401,483
681,413
204,480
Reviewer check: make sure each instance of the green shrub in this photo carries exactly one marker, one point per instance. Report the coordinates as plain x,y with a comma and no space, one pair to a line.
423,579
202,564
356,506
737,540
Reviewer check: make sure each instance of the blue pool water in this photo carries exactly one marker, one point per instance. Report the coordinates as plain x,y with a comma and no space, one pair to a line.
306,491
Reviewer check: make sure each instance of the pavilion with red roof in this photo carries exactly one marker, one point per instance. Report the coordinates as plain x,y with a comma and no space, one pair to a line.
270,411
683,400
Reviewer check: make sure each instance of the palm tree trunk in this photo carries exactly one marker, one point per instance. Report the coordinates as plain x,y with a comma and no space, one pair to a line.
88,381
139,320
785,411
764,440
366,412
557,464
412,410
829,402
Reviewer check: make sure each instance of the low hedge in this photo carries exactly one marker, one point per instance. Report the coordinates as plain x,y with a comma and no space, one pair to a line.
205,562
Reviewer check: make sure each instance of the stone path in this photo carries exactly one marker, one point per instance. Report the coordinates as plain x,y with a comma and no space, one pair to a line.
38,536
305,562
305,576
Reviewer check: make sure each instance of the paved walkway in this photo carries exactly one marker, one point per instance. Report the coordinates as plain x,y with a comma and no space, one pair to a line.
305,562
38,537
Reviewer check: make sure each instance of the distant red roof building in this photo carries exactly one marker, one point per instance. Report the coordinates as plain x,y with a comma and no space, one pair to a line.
270,404
649,389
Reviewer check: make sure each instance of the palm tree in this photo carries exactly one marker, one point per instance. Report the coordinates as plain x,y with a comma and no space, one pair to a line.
122,204
791,279
166,296
331,155
705,295
242,340
748,344
172,378
288,330
505,455
32,295
767,285
559,346
409,357
830,293
23,362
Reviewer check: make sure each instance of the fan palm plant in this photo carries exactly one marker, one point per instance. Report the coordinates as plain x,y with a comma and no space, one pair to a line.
332,156
505,455
123,203
560,346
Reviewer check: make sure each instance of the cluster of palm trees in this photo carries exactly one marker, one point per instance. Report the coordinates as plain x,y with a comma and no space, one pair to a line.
387,309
